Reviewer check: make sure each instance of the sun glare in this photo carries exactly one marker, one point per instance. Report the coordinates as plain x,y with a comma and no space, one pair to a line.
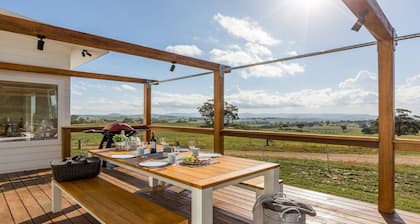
312,6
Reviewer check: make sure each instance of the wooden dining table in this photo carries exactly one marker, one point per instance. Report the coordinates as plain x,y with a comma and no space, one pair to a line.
201,180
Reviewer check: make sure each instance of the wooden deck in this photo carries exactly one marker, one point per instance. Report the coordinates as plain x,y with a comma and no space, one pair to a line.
25,198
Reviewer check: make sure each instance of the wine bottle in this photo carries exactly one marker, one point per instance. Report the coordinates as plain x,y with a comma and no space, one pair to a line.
153,143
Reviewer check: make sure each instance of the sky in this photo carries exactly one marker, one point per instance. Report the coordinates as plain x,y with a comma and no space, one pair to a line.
233,33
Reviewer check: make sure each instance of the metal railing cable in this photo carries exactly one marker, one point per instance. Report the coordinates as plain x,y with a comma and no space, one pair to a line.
312,54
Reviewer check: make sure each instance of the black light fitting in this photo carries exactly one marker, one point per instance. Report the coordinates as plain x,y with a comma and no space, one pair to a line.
172,67
85,52
41,42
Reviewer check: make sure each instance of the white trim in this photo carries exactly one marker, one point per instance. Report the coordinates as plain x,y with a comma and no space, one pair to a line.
63,102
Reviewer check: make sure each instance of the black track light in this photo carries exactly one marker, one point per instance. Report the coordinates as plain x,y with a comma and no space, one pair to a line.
360,21
356,27
41,42
85,52
172,67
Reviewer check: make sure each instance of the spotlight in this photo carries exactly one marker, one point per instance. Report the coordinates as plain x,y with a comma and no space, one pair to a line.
360,21
85,52
172,67
41,42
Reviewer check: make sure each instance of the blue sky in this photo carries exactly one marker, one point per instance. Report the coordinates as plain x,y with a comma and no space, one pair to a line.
237,32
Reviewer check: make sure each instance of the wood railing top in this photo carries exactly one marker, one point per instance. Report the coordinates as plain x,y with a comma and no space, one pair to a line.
304,137
84,128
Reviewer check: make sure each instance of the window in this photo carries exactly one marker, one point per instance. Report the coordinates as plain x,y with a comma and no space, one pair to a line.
28,111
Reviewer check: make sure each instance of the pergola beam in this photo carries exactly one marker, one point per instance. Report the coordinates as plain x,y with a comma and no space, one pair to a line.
374,18
69,73
32,28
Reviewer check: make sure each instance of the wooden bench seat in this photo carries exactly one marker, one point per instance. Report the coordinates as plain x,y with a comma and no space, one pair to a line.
111,204
257,184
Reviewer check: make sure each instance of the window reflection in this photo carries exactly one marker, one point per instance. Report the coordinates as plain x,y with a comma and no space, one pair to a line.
28,111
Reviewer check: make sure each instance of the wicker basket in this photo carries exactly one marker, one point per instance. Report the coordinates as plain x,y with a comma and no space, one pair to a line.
76,168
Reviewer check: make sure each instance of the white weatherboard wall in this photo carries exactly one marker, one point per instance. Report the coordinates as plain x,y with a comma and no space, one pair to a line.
21,49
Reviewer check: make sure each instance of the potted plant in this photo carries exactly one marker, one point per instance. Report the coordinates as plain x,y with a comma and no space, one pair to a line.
120,141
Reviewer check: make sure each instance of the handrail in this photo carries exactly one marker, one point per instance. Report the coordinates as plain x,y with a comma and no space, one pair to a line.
407,144
371,142
84,128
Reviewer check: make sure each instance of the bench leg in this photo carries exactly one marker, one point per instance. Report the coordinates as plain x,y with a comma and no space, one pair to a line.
271,181
56,198
281,188
201,206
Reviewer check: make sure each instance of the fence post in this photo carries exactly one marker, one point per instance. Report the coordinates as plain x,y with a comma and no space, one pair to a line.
219,110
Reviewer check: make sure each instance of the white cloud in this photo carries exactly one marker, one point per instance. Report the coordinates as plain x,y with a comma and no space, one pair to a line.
407,94
246,29
323,100
235,55
291,53
124,87
107,105
189,50
128,88
252,51
363,80
76,92
168,102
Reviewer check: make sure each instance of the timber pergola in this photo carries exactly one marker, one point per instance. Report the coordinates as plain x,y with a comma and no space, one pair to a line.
374,20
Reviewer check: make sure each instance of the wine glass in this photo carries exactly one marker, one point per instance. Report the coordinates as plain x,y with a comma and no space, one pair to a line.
191,144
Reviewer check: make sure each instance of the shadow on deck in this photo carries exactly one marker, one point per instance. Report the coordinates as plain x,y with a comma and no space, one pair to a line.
25,198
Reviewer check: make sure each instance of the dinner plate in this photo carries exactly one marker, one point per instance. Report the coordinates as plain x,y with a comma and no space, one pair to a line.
182,150
211,155
123,156
153,163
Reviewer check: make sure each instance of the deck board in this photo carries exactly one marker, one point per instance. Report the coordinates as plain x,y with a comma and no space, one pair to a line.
25,198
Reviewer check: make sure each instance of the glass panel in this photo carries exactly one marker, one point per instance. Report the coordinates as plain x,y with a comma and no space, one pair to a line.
28,111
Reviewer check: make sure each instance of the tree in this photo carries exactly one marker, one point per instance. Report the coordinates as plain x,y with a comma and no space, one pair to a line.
344,127
300,125
207,112
405,124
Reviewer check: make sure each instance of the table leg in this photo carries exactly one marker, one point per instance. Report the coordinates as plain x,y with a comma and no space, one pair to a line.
201,206
153,182
271,181
56,198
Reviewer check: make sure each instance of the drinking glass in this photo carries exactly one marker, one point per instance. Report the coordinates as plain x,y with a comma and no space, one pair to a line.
163,141
191,144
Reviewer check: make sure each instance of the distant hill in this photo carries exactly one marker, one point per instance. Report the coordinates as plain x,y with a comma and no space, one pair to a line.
291,116
305,116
